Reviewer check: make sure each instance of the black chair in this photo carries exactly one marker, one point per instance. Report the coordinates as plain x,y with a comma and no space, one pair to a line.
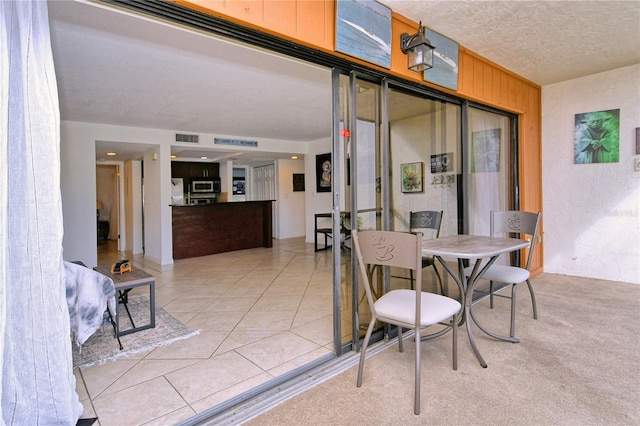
328,232
427,222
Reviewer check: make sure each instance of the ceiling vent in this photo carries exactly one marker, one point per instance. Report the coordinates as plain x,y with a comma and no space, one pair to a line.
181,137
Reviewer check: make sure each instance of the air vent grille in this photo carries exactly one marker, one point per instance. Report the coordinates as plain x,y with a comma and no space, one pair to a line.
181,137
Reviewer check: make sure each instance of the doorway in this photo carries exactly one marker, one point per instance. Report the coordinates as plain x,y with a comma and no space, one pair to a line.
107,203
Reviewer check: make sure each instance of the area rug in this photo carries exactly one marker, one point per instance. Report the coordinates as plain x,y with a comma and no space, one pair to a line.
102,346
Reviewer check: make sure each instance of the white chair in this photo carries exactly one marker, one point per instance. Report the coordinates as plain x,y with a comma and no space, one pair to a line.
515,224
403,307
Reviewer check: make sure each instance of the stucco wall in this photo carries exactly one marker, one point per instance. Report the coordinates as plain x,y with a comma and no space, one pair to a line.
591,211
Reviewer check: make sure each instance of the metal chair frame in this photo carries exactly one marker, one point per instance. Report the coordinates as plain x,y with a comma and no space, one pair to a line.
402,308
514,224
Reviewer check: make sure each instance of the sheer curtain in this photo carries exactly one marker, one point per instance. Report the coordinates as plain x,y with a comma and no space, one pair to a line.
488,166
38,386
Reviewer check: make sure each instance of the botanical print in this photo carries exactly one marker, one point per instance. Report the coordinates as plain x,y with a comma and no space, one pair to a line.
411,177
597,137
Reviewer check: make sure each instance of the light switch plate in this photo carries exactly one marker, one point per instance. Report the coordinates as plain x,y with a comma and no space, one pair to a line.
636,164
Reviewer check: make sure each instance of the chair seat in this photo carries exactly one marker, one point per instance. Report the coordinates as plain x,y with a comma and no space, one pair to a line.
503,274
398,306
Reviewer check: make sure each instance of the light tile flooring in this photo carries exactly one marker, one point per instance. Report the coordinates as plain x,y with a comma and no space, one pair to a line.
261,313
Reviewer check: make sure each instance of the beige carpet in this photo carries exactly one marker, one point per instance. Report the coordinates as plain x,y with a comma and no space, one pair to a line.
578,364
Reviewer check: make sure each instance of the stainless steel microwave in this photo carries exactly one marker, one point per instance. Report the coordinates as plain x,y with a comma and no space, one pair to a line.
210,185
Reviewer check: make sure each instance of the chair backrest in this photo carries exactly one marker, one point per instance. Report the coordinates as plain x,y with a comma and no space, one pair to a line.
425,220
517,224
387,248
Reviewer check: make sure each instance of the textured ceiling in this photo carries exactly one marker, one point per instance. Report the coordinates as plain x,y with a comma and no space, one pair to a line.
543,41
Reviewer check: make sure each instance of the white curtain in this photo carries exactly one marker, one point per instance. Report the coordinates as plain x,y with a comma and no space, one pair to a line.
38,386
489,168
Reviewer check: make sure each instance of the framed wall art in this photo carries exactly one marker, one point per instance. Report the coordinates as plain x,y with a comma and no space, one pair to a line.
445,61
323,173
412,179
298,182
485,151
597,137
363,30
442,163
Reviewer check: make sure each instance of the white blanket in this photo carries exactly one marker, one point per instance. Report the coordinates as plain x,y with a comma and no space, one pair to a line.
89,293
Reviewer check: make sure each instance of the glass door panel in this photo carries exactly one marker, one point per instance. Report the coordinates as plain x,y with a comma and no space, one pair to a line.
426,166
360,105
426,161
488,167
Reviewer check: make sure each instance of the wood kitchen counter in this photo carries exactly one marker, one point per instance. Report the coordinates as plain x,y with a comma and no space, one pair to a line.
201,230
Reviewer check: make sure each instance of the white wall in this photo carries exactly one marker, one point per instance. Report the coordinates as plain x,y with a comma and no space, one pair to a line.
78,186
591,211
133,206
315,202
291,224
78,189
158,242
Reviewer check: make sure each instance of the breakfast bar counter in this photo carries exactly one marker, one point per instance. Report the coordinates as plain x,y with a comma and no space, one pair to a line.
201,230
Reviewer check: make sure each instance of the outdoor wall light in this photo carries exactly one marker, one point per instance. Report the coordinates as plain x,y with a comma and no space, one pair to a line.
418,49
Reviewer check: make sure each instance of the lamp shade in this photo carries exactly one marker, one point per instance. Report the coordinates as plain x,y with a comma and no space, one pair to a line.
99,205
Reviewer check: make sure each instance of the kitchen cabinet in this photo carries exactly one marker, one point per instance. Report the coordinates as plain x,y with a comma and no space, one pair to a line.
180,169
189,170
204,170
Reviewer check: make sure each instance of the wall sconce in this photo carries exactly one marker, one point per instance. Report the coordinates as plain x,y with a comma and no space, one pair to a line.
418,49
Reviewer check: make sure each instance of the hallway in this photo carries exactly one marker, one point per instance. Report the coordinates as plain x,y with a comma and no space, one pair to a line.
261,313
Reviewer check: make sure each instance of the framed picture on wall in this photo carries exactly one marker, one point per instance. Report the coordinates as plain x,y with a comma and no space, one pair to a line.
323,173
363,30
597,137
485,151
412,180
445,61
298,182
441,163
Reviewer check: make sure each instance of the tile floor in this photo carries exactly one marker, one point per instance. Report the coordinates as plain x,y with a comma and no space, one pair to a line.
260,312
